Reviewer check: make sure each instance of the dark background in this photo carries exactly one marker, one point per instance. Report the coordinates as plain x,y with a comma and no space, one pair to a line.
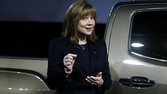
27,26
48,10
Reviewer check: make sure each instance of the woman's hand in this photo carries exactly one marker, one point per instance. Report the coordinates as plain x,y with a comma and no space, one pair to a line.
95,80
68,61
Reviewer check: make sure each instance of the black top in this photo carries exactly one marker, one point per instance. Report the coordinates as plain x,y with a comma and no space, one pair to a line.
84,52
89,62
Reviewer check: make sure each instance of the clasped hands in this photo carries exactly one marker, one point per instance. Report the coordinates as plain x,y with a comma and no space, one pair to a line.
95,80
69,60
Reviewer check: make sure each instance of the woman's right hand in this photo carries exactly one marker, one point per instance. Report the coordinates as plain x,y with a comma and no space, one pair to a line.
68,61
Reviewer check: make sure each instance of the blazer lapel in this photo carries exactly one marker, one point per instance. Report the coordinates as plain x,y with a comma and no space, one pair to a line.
74,49
93,54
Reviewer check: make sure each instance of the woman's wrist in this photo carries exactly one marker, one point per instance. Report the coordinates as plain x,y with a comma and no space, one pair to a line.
67,71
101,82
67,74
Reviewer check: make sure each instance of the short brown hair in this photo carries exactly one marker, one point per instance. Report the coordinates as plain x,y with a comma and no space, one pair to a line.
74,13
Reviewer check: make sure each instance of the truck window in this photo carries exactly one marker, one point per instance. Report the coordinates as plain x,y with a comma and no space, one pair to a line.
148,36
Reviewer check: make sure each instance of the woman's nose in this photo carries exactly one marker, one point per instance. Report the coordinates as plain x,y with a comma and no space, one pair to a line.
90,21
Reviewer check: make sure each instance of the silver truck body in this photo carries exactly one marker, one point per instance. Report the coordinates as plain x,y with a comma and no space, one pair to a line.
133,73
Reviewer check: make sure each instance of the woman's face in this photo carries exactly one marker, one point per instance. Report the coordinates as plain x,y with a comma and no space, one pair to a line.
86,25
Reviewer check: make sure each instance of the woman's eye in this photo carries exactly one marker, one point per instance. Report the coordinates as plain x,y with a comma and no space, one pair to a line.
92,18
84,18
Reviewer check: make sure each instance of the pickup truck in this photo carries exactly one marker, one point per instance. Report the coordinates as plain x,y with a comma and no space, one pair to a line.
136,40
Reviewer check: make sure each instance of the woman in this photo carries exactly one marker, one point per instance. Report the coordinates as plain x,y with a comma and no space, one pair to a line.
78,61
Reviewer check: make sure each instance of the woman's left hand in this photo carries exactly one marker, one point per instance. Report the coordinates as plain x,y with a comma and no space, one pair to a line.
95,80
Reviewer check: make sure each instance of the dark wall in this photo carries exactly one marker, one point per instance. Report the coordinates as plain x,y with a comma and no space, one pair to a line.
48,10
31,39
27,26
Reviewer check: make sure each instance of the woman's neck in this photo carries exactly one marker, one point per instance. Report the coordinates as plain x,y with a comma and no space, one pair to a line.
82,40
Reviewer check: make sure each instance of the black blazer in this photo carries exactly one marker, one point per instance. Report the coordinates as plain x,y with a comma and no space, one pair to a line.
75,82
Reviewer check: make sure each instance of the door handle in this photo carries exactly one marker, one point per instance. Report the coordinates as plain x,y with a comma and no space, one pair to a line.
137,82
